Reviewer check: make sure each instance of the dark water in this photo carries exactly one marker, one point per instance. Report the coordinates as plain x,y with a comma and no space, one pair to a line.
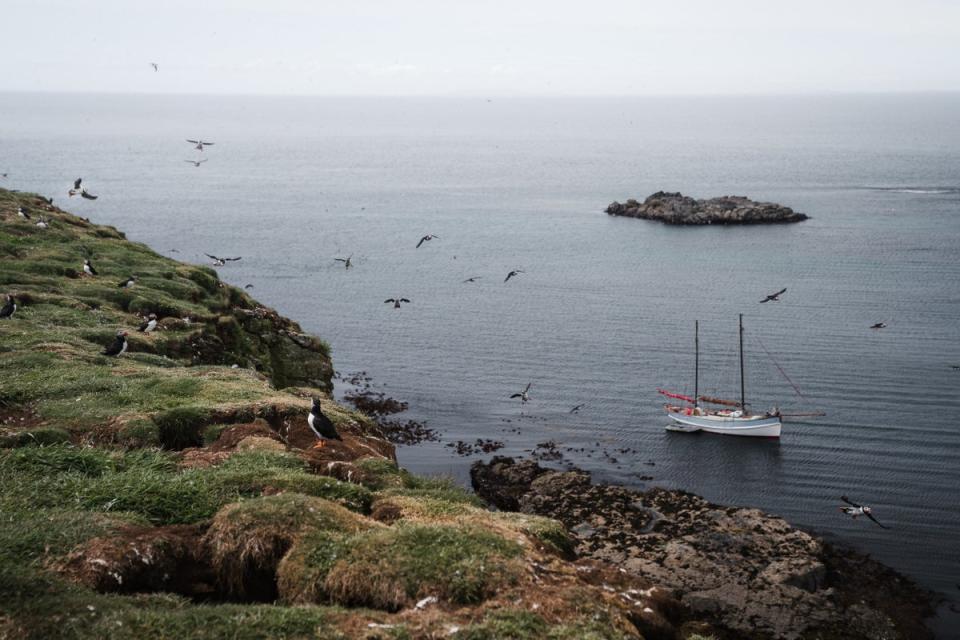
604,313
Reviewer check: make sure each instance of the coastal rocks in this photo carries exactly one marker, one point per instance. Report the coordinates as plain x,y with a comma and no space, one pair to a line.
676,208
742,571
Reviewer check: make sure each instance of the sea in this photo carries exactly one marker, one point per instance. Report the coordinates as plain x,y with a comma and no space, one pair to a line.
603,312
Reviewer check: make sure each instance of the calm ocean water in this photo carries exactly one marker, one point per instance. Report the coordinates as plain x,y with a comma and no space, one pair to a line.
604,311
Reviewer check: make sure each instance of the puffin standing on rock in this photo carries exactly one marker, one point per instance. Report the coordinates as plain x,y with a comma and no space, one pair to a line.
321,426
118,346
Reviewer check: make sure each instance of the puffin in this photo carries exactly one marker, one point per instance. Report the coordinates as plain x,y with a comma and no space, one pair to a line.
118,346
219,262
512,273
200,144
577,408
9,308
149,324
774,297
80,190
473,279
129,282
88,268
23,213
855,510
43,224
345,261
879,325
321,426
156,67
396,301
426,238
524,398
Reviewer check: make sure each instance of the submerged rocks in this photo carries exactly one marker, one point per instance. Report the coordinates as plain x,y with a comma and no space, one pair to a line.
741,570
676,208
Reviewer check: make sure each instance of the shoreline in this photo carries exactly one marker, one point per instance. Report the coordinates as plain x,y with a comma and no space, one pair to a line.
242,441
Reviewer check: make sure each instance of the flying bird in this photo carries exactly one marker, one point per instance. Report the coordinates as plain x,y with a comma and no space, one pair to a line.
3,175
9,308
774,297
155,66
79,190
321,426
219,262
88,268
23,213
512,273
396,301
149,324
426,238
523,395
129,282
345,261
879,325
196,163
200,144
118,346
248,286
473,278
577,408
855,510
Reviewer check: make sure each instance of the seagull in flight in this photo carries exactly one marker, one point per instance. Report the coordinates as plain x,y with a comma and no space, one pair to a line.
219,262
473,278
345,261
879,325
855,510
155,66
196,163
774,297
523,395
426,238
396,301
81,191
512,273
577,408
200,144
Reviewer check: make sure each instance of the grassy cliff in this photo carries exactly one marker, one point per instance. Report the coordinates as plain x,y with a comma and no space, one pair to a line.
173,492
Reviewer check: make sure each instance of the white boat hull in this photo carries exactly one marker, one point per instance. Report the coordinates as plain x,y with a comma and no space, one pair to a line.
757,426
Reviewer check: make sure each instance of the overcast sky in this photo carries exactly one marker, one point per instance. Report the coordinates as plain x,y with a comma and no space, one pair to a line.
492,47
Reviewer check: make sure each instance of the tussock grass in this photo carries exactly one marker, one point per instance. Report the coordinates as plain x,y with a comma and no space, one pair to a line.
387,568
247,540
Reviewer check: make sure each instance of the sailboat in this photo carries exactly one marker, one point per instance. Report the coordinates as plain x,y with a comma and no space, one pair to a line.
734,419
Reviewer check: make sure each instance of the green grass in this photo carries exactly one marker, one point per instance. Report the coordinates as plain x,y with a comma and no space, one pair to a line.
149,484
388,567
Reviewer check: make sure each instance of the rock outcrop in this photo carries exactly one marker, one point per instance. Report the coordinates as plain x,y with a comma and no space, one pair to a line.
676,208
744,571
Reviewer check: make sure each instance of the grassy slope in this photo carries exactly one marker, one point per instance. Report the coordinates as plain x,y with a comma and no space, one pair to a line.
85,464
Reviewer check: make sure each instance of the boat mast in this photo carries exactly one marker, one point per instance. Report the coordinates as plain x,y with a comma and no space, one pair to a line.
696,366
743,398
